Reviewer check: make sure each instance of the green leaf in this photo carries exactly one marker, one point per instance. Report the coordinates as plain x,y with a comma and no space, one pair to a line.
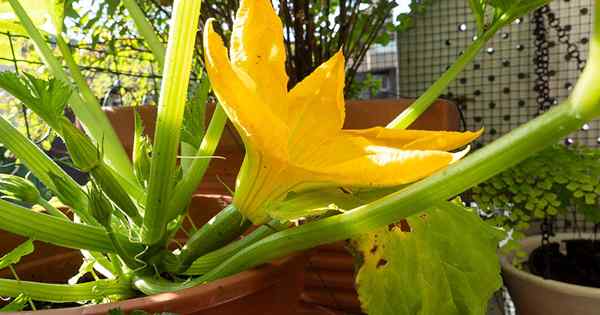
14,256
440,262
194,115
46,98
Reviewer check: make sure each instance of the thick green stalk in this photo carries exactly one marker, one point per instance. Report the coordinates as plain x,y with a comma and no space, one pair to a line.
182,194
147,31
211,260
171,106
481,165
226,226
22,221
421,104
60,293
586,92
41,166
91,117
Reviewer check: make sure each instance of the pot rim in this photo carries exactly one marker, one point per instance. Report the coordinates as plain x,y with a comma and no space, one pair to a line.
204,296
531,242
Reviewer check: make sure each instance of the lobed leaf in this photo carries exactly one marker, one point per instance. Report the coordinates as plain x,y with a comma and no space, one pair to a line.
440,262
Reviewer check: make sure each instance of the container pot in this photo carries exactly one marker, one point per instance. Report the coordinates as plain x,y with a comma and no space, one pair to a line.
534,295
270,289
330,269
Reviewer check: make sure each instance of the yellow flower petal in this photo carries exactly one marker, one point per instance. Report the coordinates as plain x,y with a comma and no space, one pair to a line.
294,141
416,139
236,93
316,107
258,49
353,161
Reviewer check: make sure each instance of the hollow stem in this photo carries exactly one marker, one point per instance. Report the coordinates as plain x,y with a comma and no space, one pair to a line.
219,231
211,260
176,75
62,293
182,194
22,221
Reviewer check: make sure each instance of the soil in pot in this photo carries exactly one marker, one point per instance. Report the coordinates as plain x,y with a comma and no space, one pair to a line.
578,264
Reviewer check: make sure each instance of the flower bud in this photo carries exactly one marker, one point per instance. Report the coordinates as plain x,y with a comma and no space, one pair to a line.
100,207
18,188
105,179
81,149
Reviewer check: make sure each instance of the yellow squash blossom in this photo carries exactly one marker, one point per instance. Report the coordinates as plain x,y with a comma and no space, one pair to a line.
294,139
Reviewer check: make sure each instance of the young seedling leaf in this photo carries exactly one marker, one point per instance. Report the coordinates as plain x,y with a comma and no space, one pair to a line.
15,255
422,265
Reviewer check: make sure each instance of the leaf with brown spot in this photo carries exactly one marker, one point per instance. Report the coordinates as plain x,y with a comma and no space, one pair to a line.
446,264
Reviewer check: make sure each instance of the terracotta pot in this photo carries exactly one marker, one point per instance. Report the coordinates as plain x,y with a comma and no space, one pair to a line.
535,295
269,289
442,115
330,270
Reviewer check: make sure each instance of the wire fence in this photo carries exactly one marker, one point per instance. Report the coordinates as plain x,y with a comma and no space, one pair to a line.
500,90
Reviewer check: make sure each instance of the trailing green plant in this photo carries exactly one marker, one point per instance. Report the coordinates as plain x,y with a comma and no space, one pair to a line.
385,189
554,181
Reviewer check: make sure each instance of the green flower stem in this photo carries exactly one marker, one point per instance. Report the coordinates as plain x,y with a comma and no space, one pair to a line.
147,31
127,257
60,293
211,260
421,104
41,166
171,106
481,165
76,74
52,209
221,230
22,221
92,117
182,194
